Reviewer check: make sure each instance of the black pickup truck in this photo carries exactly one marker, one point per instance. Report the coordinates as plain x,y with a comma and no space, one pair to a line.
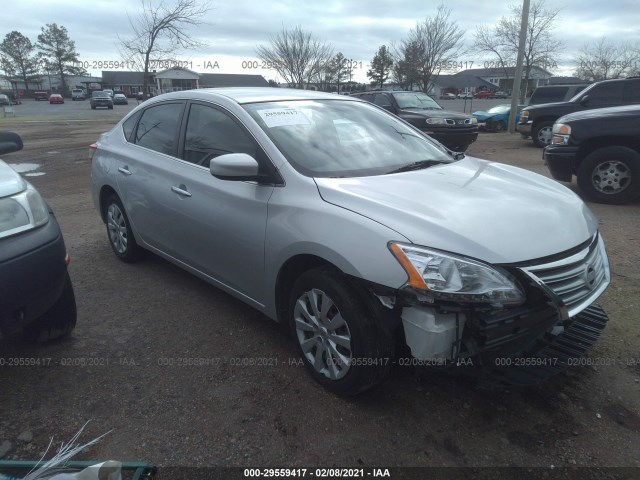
454,130
536,121
601,147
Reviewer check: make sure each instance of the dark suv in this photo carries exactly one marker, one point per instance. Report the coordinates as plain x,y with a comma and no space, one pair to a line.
454,130
537,120
602,148
101,99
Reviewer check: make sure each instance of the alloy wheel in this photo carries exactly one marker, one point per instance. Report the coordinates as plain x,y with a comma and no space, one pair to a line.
117,227
323,334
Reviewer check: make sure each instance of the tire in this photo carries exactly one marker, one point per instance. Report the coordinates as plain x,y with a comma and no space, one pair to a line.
610,175
119,231
111,107
499,126
59,321
93,107
541,134
324,307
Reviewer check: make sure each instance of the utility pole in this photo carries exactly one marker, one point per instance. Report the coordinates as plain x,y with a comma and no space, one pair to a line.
515,93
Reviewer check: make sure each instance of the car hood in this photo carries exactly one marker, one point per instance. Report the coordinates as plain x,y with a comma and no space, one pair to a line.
10,181
490,211
434,113
481,115
626,112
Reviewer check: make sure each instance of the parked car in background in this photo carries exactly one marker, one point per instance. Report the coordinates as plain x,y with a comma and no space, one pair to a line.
40,96
120,99
555,93
496,119
601,148
465,95
537,120
500,94
56,98
36,294
101,99
4,99
108,91
483,94
454,130
448,96
359,232
78,94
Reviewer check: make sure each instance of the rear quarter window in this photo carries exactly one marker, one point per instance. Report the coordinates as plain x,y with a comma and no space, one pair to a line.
548,95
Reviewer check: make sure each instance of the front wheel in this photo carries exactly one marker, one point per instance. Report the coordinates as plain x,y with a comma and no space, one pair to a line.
119,231
59,321
542,134
339,340
499,126
610,175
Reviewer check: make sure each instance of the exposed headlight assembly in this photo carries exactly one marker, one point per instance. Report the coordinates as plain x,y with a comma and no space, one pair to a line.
444,276
22,211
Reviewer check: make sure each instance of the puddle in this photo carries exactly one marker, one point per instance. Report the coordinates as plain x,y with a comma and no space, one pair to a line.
27,167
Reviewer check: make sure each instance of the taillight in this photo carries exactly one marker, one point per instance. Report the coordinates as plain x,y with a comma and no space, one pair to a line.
92,150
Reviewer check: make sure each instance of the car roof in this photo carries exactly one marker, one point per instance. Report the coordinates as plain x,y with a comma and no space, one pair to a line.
244,95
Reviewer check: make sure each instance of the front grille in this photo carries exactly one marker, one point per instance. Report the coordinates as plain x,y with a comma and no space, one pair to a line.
575,281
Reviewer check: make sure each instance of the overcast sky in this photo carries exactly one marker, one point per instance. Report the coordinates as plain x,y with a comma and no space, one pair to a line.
356,27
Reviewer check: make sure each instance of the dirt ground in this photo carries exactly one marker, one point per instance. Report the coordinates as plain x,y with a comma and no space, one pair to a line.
169,365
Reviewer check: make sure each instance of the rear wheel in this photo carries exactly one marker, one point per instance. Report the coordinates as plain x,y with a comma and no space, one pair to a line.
542,134
59,321
119,231
610,175
499,126
340,343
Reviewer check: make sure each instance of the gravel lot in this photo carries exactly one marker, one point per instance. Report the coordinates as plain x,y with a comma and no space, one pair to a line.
185,375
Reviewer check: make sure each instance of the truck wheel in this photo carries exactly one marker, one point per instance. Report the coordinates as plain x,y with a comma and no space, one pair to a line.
610,175
340,343
59,321
499,126
542,134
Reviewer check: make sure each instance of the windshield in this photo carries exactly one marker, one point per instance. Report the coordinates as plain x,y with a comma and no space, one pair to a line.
338,138
416,100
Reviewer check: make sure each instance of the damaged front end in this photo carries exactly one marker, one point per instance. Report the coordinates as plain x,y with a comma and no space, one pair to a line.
513,324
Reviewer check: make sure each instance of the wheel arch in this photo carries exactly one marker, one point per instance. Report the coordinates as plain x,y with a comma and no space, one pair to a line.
593,144
287,275
105,192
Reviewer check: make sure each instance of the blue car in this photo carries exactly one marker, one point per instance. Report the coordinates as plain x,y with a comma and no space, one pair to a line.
497,118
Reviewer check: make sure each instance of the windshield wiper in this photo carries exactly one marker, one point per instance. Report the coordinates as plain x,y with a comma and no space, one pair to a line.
417,166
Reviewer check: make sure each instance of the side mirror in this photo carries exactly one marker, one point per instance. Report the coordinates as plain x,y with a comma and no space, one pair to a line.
584,100
10,142
234,166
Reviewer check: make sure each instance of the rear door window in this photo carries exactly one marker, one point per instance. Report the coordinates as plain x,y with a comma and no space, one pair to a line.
159,126
548,95
606,95
631,94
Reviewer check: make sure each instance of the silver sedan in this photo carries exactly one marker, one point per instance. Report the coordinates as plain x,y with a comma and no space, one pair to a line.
357,230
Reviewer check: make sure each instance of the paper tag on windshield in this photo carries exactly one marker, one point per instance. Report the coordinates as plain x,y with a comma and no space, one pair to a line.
278,117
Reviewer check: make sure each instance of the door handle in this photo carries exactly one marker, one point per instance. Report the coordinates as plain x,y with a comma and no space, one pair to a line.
181,190
124,170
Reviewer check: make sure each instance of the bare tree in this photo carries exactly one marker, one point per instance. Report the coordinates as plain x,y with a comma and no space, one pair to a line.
296,55
161,31
436,41
602,60
541,48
